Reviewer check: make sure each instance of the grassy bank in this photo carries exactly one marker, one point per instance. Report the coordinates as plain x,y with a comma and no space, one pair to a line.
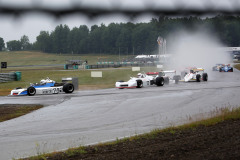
35,74
10,111
95,151
19,58
84,76
237,66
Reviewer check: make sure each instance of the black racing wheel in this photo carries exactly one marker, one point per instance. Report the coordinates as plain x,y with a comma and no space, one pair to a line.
31,91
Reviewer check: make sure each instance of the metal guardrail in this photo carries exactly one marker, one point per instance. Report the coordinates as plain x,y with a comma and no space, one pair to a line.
12,76
6,77
119,65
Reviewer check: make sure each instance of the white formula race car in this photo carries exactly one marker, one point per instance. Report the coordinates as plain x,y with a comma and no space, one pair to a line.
217,67
142,80
195,75
169,76
46,86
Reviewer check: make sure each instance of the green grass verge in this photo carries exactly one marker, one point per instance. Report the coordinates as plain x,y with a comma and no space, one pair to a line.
8,112
39,58
221,115
35,74
237,66
84,77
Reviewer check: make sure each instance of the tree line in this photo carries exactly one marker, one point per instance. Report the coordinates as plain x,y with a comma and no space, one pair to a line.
125,38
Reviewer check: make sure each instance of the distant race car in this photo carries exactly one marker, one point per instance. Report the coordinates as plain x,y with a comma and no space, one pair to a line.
169,76
46,86
142,80
217,67
226,68
196,74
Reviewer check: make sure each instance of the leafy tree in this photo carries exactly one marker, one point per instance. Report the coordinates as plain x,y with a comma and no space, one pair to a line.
95,39
124,40
43,42
140,36
73,40
14,45
25,42
2,44
233,34
60,39
109,38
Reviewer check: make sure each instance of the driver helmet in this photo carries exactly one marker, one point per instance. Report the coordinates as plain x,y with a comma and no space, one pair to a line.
43,81
139,75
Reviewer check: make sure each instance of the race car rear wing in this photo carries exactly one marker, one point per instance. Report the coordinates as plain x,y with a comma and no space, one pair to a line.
170,71
156,73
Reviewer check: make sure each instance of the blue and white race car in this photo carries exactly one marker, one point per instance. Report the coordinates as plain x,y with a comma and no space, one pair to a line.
217,67
46,86
226,68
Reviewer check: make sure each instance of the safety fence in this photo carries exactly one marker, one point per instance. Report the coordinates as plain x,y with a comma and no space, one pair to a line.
12,76
120,65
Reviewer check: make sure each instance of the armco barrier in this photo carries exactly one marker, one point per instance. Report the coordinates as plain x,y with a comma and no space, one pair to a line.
18,76
120,65
12,76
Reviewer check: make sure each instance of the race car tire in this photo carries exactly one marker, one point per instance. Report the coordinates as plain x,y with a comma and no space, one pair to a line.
230,70
220,69
31,91
176,78
151,82
68,88
159,81
166,80
205,76
198,77
139,83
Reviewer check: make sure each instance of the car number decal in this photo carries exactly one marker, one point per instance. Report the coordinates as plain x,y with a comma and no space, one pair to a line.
47,91
57,90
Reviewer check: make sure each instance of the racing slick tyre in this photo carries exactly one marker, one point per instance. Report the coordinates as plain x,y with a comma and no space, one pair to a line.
198,77
31,91
139,83
159,81
166,80
151,82
205,76
220,69
176,78
68,88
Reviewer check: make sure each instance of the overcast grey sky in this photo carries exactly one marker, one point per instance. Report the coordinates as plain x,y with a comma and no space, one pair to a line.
30,24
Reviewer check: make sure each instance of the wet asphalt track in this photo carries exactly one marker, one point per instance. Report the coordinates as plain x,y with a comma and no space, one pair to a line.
93,116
